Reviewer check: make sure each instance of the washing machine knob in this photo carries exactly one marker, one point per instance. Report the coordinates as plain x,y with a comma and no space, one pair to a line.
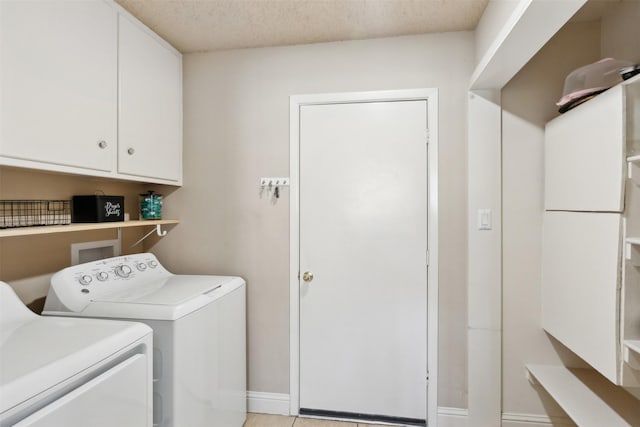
123,270
85,279
153,264
141,266
102,276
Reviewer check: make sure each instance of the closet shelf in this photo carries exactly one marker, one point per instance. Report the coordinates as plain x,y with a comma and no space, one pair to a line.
632,353
633,240
50,229
588,398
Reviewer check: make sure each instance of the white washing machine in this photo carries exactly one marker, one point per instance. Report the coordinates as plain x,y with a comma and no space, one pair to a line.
199,332
63,372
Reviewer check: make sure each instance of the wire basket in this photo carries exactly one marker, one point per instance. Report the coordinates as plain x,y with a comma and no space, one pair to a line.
26,213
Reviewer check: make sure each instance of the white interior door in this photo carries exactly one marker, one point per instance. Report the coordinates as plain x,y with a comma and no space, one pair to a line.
363,236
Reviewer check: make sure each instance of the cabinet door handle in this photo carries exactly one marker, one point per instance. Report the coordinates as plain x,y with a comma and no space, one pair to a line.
102,144
131,151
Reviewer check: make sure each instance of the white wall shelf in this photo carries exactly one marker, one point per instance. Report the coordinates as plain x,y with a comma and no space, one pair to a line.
632,353
50,229
587,397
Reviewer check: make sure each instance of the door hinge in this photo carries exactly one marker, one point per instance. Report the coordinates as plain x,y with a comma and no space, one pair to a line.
426,136
298,276
427,258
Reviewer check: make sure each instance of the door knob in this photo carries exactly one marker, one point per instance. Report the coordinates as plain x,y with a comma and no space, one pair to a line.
307,276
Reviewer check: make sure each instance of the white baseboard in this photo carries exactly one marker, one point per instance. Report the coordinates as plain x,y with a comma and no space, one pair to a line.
532,420
456,417
452,417
268,403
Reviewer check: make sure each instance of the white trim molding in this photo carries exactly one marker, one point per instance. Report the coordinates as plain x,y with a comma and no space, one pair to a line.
452,417
267,403
528,28
458,417
484,274
296,101
533,420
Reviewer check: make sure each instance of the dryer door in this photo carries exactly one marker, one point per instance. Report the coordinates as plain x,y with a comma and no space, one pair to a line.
117,397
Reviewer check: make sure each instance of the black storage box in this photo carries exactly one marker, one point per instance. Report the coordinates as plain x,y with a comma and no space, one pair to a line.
97,208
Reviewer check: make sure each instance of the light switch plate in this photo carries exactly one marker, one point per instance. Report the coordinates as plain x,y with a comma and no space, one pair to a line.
484,219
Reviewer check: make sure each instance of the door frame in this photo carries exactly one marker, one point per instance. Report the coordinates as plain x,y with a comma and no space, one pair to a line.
295,102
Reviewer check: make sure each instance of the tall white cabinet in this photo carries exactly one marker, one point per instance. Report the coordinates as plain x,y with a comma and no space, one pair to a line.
591,258
591,250
85,88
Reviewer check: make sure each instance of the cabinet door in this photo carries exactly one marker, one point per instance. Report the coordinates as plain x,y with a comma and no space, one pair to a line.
58,87
581,262
585,156
150,114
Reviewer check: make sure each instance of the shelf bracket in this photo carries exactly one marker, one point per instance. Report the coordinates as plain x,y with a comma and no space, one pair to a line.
159,231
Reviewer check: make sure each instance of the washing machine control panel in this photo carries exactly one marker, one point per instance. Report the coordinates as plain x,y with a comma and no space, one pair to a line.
77,285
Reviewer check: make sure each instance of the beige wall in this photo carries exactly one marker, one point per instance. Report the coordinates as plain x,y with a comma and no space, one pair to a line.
528,103
28,256
237,130
621,32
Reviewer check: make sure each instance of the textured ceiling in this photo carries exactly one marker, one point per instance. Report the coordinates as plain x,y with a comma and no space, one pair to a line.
205,25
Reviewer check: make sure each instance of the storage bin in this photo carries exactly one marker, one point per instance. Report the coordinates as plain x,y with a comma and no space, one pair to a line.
25,213
98,208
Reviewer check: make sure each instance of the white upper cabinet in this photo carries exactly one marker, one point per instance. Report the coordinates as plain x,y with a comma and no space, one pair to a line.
585,156
150,113
58,86
87,89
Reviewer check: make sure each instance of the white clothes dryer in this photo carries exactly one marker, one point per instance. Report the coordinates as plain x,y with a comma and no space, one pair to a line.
199,332
64,372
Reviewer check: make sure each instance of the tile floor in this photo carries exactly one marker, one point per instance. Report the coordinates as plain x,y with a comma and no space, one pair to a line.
263,420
